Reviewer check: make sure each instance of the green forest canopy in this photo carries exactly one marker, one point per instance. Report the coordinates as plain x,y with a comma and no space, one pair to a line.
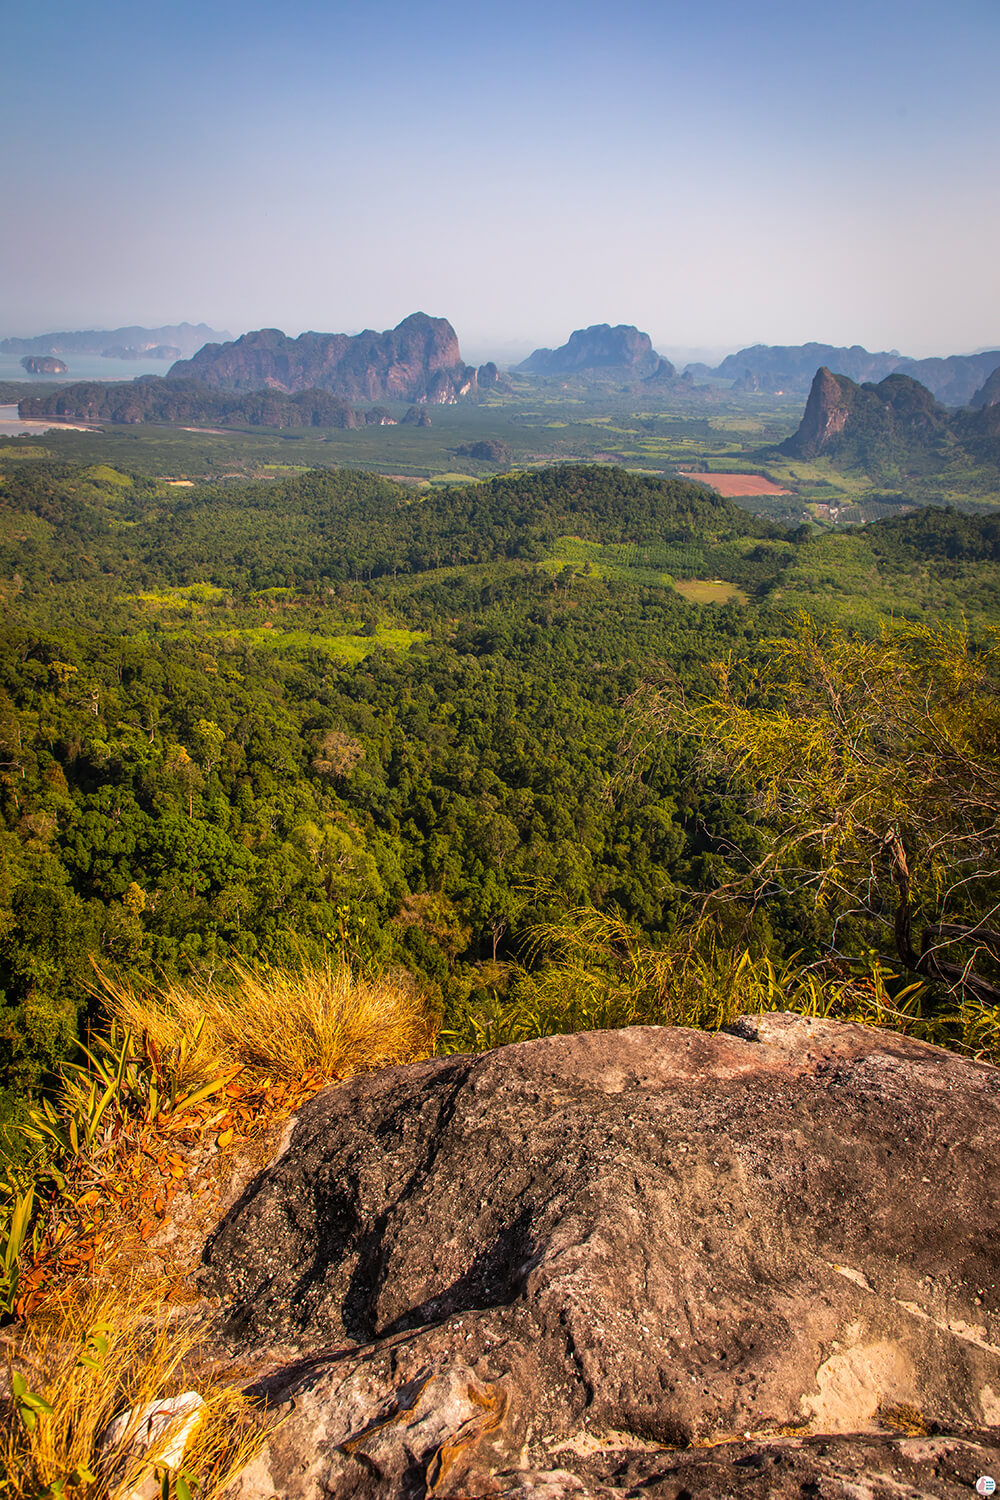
331,711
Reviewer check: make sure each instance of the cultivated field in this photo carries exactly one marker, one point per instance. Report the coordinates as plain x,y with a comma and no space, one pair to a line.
733,486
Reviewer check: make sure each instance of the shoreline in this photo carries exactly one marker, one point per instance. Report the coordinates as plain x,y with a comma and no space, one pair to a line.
15,426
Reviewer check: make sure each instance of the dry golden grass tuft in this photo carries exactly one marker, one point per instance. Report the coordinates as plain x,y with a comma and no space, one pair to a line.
91,1359
319,1018
186,1077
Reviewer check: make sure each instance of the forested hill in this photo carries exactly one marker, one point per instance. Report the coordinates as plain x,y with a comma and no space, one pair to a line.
257,718
892,430
947,538
344,525
154,399
268,719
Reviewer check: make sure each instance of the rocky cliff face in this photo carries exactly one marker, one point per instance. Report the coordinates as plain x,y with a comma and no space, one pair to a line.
489,378
827,411
43,364
549,1269
620,353
417,361
989,392
978,428
872,425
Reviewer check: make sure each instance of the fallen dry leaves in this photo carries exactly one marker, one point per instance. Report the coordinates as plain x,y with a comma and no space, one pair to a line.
110,1206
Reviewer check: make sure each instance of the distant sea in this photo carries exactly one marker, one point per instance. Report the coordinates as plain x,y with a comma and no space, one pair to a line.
79,367
11,426
85,367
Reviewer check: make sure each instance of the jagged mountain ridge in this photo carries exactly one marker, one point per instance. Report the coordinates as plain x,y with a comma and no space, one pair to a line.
419,360
894,424
952,380
989,392
789,369
187,337
622,352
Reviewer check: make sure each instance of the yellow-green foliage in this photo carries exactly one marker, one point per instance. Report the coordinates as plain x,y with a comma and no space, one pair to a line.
77,1367
166,1056
103,476
192,593
346,647
706,591
594,971
871,767
320,1017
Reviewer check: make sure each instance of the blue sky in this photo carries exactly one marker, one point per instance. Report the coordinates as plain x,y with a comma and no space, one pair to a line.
717,173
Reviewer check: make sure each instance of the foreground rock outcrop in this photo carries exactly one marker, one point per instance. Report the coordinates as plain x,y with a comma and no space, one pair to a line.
554,1268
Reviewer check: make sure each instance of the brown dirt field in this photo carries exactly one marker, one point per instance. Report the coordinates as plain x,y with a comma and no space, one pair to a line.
731,485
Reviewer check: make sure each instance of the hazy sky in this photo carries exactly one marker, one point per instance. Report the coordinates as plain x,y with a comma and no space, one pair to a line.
718,172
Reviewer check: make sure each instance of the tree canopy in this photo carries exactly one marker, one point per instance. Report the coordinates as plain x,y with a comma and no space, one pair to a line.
871,770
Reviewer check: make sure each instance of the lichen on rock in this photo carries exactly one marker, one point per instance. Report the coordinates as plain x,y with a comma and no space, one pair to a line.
653,1238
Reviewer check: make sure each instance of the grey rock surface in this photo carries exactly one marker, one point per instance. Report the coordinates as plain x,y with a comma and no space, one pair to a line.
566,1266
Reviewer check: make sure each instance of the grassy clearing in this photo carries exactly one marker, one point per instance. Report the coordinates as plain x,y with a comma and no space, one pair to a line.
799,474
193,612
349,647
622,561
635,564
193,593
742,425
103,474
103,1354
704,591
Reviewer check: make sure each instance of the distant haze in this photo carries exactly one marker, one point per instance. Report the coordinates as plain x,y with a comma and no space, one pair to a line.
718,175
